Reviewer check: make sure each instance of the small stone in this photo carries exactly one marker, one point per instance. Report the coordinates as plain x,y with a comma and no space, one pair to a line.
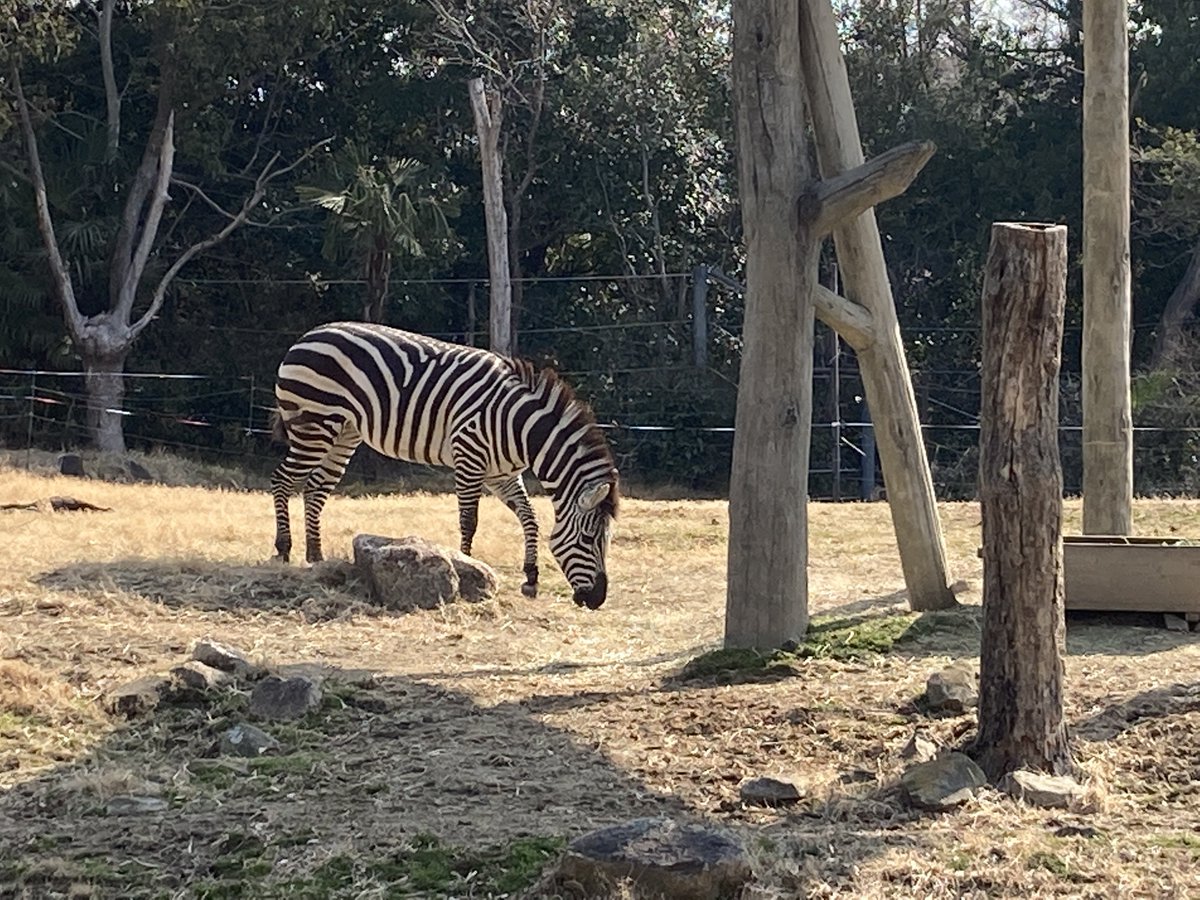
226,658
1175,623
71,464
246,740
920,748
200,676
284,698
136,805
664,858
942,783
137,471
138,696
1038,789
769,791
953,690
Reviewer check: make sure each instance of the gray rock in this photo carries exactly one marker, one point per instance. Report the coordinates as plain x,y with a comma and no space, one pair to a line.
769,791
1173,622
662,859
953,690
920,748
284,698
942,783
138,696
413,573
246,740
226,658
135,805
200,676
1038,789
137,471
71,464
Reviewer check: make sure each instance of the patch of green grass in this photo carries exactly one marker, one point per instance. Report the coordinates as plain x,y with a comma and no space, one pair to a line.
959,861
289,764
431,867
828,637
1051,862
1176,840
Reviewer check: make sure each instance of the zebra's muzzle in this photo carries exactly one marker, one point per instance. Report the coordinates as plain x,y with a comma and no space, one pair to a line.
593,597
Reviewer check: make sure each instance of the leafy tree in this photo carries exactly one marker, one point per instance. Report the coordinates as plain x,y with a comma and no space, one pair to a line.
380,208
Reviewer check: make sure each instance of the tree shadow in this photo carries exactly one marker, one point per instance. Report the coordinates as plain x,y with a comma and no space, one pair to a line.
356,785
1158,703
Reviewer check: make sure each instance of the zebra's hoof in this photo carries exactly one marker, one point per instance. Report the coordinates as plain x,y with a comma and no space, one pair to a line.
529,590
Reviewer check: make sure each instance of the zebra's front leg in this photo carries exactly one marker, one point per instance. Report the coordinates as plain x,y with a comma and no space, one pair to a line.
512,492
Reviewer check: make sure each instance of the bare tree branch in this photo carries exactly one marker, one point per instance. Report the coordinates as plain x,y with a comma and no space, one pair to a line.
240,218
64,290
112,99
149,226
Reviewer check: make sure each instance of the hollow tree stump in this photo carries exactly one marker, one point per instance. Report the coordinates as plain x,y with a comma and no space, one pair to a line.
1020,490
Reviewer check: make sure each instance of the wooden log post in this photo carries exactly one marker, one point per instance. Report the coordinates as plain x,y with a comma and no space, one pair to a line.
1107,304
488,109
885,374
767,582
1020,488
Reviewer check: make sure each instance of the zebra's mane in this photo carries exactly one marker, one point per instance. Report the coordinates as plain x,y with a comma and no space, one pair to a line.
543,382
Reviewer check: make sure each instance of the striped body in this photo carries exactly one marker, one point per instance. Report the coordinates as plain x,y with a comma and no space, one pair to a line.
487,417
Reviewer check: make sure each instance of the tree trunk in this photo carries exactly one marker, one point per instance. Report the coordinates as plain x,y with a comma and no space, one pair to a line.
1169,343
1107,306
886,378
379,264
104,382
487,110
767,601
1020,489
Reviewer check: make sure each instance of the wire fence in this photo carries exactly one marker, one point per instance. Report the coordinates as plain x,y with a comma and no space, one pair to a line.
678,432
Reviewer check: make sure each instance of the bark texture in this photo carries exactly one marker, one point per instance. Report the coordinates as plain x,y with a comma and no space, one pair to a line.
767,599
1021,721
882,361
1107,305
487,110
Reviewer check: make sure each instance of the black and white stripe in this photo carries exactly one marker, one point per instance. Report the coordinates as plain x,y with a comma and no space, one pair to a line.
487,417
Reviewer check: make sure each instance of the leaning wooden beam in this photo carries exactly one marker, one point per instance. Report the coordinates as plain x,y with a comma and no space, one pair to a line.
845,317
884,368
842,196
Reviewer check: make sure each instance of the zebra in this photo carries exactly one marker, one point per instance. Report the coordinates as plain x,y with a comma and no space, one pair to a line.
488,417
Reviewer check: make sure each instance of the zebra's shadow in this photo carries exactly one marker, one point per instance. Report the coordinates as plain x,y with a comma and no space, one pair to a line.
328,590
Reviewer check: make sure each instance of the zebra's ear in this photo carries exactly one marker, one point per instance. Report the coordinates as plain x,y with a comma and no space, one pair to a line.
590,497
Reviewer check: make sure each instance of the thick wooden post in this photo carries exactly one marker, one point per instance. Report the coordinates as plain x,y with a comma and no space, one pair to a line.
1020,489
767,600
1107,305
884,368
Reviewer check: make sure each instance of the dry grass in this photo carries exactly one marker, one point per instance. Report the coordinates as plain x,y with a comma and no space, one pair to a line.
523,719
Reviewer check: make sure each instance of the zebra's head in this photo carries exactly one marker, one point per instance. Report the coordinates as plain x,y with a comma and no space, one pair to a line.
579,540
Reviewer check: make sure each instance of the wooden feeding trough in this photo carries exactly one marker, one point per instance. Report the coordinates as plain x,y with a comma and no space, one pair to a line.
1132,574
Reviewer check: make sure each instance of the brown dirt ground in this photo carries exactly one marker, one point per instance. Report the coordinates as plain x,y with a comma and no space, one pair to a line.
534,718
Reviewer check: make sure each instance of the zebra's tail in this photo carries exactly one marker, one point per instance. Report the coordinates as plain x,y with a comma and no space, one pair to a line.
278,432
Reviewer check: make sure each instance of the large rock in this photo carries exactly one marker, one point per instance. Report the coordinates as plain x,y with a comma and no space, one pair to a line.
953,690
198,676
660,857
412,573
943,783
71,464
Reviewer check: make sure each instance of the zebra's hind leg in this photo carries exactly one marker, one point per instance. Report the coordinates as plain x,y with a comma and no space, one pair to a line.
512,491
308,445
323,479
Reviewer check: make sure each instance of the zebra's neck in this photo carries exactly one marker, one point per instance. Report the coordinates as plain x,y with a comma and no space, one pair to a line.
561,443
